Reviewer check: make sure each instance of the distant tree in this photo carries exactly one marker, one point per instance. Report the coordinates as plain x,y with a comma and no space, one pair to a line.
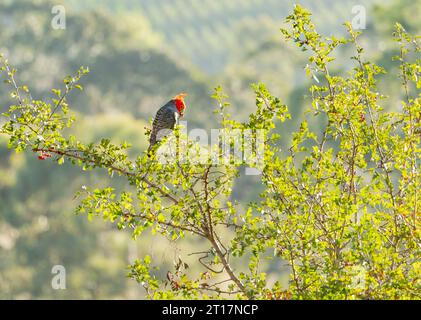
340,206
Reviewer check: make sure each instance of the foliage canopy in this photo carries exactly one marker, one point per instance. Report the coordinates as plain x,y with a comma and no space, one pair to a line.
340,207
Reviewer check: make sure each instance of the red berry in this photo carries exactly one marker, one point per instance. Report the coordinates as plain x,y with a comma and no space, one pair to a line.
44,155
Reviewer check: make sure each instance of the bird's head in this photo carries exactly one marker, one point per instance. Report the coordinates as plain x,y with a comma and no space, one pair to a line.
179,103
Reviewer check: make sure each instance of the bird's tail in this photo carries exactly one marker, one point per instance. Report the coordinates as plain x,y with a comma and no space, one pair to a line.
152,143
151,148
149,152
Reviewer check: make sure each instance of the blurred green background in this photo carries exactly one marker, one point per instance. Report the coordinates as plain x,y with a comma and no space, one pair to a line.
141,53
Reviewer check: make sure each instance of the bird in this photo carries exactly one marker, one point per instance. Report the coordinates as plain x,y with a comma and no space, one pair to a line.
166,118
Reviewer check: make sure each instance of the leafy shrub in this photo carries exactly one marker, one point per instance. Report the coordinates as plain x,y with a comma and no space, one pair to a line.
341,205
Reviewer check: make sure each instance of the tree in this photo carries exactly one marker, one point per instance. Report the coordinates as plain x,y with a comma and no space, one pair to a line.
340,206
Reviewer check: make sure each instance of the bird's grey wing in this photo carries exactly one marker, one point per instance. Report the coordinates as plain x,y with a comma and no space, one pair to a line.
163,124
